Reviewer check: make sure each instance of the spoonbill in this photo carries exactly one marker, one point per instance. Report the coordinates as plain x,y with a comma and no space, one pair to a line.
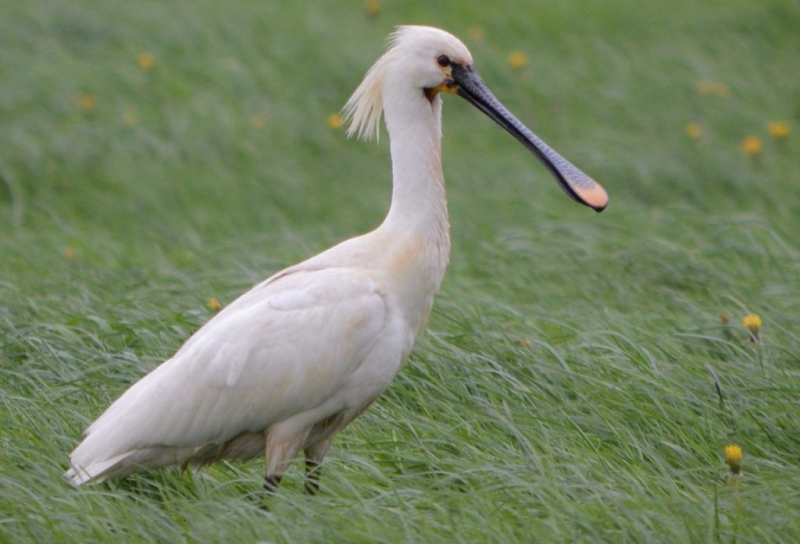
290,363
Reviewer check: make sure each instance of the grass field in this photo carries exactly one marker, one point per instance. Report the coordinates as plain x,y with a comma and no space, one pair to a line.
157,154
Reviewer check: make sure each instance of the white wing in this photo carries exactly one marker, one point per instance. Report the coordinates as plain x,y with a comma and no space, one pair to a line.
282,348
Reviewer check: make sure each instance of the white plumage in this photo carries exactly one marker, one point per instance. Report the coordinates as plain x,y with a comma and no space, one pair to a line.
291,362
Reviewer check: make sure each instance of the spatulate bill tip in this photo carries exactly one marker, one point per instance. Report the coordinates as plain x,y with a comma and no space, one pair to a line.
595,197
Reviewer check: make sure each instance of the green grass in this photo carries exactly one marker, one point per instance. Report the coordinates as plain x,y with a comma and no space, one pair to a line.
561,392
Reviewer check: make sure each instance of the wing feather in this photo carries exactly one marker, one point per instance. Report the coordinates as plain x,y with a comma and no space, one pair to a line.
283,348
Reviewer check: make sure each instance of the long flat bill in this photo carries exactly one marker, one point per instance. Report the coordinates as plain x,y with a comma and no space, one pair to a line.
579,186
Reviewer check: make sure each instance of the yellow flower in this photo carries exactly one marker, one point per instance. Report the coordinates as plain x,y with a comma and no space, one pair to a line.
517,59
69,254
129,117
751,146
779,129
694,130
752,323
476,33
258,121
146,61
372,7
214,304
86,101
733,455
335,121
708,87
705,87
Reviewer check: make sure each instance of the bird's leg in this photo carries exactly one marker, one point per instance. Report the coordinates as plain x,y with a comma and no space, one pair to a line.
314,455
313,473
280,452
271,483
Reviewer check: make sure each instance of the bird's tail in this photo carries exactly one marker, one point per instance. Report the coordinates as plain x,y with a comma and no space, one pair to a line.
85,471
97,471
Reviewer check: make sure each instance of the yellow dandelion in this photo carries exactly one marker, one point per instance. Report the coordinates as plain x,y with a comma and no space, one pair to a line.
733,455
709,87
146,61
335,121
129,117
86,101
69,254
372,7
258,121
752,323
694,130
779,129
214,304
751,146
705,87
476,33
517,60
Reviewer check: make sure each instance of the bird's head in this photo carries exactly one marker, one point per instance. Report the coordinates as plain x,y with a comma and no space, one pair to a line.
425,57
431,61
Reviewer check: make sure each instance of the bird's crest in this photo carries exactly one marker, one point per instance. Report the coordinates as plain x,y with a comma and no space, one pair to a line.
364,108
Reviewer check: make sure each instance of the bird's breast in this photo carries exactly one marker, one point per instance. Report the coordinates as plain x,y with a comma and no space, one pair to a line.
415,269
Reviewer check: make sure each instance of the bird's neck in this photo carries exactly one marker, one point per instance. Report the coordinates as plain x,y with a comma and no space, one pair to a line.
419,204
416,232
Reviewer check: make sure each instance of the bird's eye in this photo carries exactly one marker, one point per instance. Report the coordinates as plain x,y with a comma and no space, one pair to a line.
443,60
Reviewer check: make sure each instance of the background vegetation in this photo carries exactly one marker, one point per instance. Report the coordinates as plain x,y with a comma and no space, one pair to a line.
158,154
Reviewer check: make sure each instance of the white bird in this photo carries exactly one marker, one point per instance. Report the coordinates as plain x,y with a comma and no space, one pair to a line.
291,362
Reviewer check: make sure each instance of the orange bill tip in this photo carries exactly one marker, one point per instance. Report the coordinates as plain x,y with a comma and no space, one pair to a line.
595,197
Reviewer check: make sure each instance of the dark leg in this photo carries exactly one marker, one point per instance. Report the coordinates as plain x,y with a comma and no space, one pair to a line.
279,456
314,455
271,483
313,471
